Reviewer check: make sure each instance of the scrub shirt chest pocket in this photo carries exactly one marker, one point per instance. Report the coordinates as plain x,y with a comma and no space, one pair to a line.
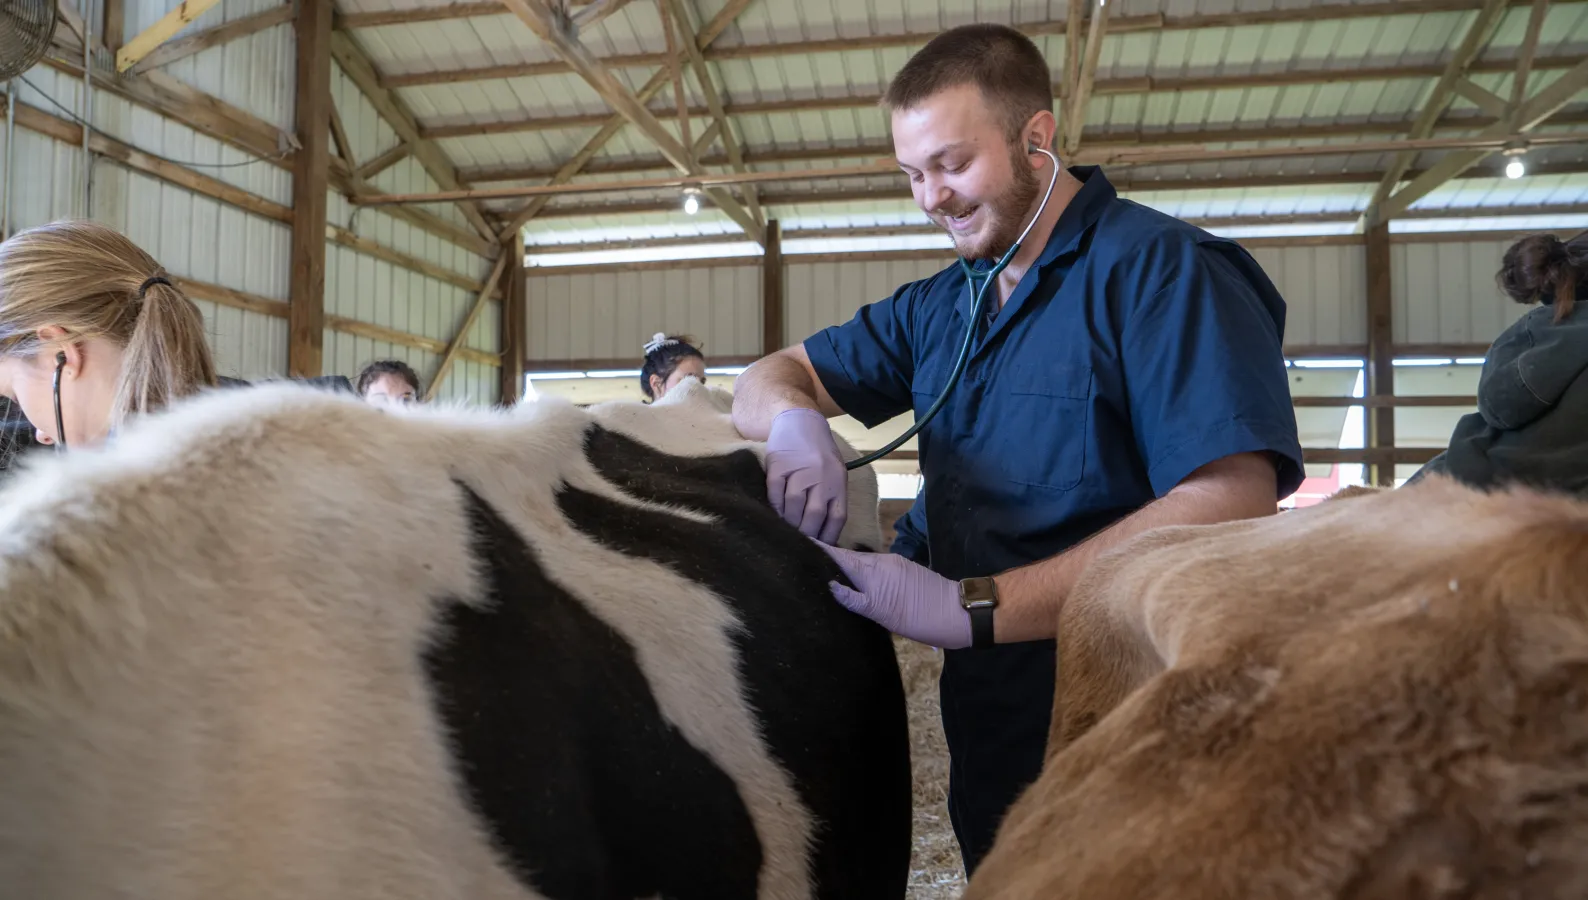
1043,412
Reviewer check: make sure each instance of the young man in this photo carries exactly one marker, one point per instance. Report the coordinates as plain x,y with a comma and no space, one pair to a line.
1128,374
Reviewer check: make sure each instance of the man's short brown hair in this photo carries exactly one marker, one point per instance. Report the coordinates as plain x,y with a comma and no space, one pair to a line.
1002,62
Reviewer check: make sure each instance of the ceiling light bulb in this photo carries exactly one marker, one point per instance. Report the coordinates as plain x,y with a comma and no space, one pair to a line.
1515,169
691,204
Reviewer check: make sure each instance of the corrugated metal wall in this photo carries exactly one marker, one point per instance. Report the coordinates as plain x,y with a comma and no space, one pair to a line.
610,315
819,294
1325,291
191,235
233,70
362,287
1445,292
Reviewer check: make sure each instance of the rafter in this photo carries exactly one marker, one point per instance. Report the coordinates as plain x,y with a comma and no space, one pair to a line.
1122,156
1113,137
1472,43
1482,98
1100,87
1082,93
210,38
461,338
344,147
614,124
160,32
676,71
685,20
1154,22
1524,64
390,158
554,29
1072,66
1122,182
1530,115
357,66
596,11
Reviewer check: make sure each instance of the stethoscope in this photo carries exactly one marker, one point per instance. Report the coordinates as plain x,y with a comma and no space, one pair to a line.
60,426
978,298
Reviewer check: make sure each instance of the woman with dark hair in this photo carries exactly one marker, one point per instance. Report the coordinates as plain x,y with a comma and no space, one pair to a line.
669,360
388,382
1531,426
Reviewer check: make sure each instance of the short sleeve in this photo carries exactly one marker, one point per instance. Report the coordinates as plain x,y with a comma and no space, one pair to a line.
1204,365
867,363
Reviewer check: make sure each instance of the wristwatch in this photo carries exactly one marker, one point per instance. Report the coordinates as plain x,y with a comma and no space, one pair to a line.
979,597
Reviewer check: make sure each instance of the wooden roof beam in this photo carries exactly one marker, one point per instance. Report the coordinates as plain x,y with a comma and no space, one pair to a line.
1119,25
1100,87
685,20
211,38
1454,74
1139,156
614,124
555,29
1524,65
357,66
166,28
1081,93
1530,115
1126,137
1121,181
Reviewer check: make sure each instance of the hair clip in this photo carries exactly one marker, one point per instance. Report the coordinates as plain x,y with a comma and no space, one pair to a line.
657,342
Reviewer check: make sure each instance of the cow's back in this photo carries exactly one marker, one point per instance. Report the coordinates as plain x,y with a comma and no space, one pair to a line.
307,648
1381,696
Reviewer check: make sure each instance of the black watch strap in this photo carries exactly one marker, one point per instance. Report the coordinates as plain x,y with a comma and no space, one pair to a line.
979,597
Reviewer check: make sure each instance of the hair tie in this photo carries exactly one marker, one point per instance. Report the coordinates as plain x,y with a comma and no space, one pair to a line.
657,342
154,280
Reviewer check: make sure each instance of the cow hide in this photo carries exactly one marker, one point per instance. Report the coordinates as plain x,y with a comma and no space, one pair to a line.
278,643
1380,696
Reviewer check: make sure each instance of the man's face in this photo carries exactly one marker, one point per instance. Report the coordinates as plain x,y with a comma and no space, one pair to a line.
963,172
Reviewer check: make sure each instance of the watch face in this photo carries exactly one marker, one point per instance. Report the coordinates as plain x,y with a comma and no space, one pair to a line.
977,593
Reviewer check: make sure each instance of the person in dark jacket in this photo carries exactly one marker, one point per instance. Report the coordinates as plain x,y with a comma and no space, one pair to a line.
1531,426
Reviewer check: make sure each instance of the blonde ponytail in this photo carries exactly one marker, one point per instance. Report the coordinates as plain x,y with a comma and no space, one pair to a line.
93,282
167,356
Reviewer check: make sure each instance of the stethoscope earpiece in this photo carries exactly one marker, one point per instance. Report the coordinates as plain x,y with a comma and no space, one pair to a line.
60,425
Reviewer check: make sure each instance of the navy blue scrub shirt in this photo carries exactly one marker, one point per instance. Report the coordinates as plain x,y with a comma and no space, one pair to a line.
1137,349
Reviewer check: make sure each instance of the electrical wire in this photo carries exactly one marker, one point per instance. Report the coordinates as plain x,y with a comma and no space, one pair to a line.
76,119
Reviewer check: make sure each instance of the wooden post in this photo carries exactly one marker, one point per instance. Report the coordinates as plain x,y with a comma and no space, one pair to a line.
311,169
772,290
515,316
1380,350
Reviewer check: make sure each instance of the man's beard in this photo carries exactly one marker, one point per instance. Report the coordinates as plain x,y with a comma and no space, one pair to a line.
1006,215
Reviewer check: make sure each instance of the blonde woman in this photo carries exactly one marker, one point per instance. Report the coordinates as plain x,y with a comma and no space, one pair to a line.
92,331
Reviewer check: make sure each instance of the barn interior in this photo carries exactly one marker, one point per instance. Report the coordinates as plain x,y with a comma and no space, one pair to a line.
513,196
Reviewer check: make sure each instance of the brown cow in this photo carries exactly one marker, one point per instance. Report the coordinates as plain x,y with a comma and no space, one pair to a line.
1382,696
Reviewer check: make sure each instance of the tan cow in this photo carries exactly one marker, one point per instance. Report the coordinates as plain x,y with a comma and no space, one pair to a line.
1380,696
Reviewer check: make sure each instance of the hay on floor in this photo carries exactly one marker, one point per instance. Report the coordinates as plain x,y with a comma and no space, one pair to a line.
935,869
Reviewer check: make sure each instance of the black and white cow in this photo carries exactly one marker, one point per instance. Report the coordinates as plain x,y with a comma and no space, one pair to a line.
281,644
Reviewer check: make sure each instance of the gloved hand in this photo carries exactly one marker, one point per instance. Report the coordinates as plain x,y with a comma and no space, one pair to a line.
909,600
805,477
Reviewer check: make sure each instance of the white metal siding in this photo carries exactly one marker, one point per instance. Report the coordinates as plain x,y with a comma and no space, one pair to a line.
610,315
191,235
820,294
1445,292
233,71
362,287
1325,291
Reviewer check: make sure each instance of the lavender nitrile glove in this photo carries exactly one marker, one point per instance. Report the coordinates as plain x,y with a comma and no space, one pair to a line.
909,600
805,477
